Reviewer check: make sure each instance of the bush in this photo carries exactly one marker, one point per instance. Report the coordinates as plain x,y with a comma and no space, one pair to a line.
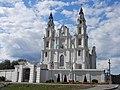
2,78
85,79
58,79
49,81
87,83
71,81
95,81
65,83
65,78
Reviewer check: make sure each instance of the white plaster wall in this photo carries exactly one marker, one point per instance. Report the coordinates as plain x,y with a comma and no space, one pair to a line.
44,76
8,74
78,75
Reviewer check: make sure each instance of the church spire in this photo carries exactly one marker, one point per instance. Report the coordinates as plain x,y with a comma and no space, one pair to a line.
81,18
81,11
50,22
51,17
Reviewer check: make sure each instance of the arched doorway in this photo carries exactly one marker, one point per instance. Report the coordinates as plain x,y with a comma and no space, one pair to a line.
61,60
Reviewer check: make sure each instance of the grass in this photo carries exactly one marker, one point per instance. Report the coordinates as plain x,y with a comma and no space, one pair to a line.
43,87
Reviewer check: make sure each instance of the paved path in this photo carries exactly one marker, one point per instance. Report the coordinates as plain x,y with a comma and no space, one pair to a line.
118,88
105,87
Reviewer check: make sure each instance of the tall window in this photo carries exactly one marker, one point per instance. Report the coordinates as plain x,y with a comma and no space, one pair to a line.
45,54
79,31
80,21
47,44
79,41
79,52
53,34
48,33
61,60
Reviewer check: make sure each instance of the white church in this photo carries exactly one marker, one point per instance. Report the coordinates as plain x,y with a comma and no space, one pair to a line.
62,55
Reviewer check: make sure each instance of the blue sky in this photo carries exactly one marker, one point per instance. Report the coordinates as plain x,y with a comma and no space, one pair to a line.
23,23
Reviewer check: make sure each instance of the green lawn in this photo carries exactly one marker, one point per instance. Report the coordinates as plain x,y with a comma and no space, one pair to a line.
43,87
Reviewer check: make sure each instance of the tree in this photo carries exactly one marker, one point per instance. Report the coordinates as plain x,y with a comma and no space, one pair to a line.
6,64
65,78
58,78
2,78
85,79
22,60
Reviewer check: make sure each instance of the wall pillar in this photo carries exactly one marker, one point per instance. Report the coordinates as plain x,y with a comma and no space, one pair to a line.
42,56
74,65
16,76
74,75
32,74
20,73
57,54
88,77
61,77
83,66
49,63
38,75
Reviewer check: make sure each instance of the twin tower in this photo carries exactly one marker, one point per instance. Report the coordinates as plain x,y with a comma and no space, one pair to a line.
64,51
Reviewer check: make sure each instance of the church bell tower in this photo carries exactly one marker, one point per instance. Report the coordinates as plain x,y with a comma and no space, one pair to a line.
81,41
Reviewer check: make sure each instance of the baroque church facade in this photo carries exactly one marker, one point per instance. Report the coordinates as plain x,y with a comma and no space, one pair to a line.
62,55
64,51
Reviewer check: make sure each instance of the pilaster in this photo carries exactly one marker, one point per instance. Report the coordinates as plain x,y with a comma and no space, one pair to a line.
38,75
88,77
20,73
16,75
32,74
84,59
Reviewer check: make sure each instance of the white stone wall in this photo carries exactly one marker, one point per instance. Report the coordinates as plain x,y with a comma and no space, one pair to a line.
78,75
8,74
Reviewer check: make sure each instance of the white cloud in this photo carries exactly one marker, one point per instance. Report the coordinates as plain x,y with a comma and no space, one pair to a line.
115,62
45,7
23,29
71,15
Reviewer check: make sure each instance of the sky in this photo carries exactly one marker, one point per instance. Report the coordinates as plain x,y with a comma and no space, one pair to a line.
23,23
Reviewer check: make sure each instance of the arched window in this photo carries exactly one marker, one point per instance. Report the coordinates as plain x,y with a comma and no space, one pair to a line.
79,31
45,54
61,60
80,21
79,41
48,33
79,52
47,44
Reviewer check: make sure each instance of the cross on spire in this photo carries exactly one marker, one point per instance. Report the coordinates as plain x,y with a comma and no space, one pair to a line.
81,10
50,22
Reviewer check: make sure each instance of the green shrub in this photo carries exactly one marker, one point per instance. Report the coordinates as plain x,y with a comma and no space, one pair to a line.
85,79
2,78
95,81
49,81
65,78
58,78
65,83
